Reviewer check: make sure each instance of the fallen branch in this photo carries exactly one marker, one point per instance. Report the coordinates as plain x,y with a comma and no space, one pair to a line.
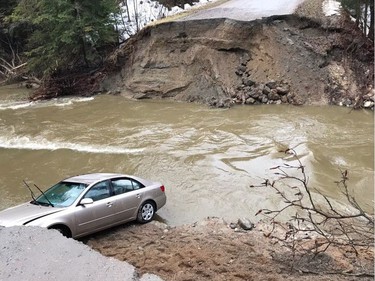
327,222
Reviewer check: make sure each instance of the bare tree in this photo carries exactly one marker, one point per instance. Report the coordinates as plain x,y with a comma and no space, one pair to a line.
10,66
331,223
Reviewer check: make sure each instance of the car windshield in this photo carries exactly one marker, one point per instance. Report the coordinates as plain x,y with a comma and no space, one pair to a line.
62,194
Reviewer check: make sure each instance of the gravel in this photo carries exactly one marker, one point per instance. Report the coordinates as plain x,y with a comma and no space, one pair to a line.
33,253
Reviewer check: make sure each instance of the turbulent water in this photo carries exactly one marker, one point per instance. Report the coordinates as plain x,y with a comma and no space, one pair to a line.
207,158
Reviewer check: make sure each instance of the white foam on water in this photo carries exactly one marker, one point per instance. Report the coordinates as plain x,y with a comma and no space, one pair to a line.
70,101
15,105
39,143
61,102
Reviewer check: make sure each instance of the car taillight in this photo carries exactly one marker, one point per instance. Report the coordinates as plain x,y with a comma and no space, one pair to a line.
162,188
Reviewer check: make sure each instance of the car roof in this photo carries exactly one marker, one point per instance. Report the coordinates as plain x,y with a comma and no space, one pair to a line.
94,177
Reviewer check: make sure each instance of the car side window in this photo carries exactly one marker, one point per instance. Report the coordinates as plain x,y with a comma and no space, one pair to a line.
125,185
98,191
137,185
121,186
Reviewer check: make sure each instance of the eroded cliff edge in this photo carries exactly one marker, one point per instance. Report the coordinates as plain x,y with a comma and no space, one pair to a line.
220,62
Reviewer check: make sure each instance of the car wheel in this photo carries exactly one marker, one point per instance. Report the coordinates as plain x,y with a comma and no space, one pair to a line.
63,230
146,212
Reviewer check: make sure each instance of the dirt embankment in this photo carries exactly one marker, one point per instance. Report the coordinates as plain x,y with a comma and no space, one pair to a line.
282,59
211,250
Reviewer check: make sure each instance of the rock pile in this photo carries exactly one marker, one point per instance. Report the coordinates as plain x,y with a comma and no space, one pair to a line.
253,92
368,99
279,92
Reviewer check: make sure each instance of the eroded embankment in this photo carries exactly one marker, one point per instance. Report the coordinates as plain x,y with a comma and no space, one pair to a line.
281,59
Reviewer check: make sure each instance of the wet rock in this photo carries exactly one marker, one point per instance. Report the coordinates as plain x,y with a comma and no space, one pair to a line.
232,225
255,93
247,89
264,99
245,59
224,103
248,82
250,101
240,70
245,224
266,90
140,96
290,97
298,100
347,102
282,90
273,95
284,99
368,104
271,84
234,94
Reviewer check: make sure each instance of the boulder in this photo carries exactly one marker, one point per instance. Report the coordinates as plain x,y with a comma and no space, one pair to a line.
282,90
266,90
273,95
250,101
248,82
368,104
245,224
271,84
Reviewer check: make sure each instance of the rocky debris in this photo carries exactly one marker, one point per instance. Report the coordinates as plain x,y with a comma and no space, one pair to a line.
251,92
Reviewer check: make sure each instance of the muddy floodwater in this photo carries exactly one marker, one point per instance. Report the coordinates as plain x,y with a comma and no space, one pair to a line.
207,158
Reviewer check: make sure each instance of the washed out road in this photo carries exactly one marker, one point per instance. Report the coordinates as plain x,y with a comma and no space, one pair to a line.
247,10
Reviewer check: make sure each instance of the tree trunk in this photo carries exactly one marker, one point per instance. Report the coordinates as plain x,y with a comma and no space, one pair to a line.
365,19
371,28
127,9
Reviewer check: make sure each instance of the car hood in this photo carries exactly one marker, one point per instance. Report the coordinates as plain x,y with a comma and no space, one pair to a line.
24,213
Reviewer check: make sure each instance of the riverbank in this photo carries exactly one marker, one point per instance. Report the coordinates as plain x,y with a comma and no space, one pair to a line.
207,250
212,250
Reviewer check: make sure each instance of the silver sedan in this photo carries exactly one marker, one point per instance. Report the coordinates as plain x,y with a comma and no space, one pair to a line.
85,204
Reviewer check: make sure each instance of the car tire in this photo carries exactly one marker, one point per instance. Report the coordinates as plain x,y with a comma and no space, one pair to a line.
146,212
63,230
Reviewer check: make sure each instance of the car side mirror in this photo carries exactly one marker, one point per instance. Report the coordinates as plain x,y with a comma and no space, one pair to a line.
86,201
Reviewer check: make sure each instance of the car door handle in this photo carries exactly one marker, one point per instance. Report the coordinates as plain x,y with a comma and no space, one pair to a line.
109,204
138,195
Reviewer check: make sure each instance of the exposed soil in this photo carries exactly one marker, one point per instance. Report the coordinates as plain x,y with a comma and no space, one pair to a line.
211,250
320,60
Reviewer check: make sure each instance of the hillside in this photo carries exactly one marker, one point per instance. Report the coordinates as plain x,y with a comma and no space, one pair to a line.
305,58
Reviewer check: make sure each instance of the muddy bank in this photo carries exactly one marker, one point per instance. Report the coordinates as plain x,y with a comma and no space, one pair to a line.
222,62
212,250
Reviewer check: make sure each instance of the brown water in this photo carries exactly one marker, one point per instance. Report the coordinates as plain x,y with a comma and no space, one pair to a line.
207,158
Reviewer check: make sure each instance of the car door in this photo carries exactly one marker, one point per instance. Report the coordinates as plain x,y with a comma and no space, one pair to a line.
128,194
98,215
